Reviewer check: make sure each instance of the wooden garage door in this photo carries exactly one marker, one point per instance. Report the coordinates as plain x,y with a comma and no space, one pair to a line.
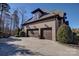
47,33
33,33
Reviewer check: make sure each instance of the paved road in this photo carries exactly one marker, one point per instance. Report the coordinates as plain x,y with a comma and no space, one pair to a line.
34,46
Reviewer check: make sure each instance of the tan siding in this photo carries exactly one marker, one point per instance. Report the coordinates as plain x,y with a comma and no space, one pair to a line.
43,24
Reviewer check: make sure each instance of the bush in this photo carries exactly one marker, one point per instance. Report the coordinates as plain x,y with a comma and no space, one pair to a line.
4,35
1,34
75,37
64,34
17,32
22,34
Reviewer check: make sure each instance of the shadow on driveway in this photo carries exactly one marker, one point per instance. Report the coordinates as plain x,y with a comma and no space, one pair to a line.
3,40
12,49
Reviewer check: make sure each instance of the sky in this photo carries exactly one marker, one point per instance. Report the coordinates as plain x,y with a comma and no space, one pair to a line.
71,9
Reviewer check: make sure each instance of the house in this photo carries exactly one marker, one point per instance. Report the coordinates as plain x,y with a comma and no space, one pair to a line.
43,24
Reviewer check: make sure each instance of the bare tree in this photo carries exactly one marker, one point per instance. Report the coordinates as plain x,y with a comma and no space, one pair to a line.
15,19
4,7
7,21
22,12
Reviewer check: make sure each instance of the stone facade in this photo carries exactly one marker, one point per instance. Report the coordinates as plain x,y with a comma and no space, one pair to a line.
45,26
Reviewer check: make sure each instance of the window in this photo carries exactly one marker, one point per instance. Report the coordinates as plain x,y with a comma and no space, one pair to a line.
36,15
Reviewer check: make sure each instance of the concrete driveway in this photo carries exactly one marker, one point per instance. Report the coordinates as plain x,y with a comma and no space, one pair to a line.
41,47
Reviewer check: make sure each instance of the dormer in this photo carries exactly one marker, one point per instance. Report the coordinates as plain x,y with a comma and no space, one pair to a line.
37,13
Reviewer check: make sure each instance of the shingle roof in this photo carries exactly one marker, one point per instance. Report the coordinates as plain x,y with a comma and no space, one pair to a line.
49,14
45,16
38,9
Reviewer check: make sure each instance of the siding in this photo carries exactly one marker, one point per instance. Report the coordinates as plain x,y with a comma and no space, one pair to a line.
43,24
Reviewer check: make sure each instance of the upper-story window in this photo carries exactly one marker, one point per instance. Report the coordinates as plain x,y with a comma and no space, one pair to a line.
37,15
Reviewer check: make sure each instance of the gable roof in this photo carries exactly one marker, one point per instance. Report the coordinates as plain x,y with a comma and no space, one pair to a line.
46,14
38,9
41,18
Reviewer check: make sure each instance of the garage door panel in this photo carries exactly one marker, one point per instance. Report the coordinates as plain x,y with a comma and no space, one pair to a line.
47,34
33,33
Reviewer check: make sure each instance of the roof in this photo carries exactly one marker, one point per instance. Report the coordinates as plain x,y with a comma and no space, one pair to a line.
46,15
38,9
41,18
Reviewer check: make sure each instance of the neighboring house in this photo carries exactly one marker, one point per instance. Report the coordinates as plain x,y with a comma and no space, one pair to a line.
44,25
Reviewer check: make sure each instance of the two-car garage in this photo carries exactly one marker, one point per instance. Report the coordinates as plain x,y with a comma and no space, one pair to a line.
45,33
